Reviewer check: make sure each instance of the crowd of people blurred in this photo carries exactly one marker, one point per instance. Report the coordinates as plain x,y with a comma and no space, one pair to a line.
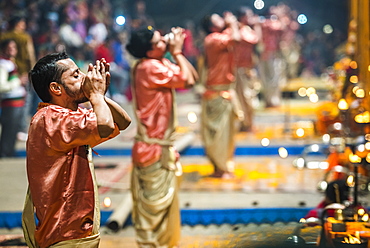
87,30
240,60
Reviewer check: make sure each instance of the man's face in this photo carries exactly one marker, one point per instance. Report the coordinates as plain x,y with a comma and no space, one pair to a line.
72,80
21,25
218,22
247,17
159,45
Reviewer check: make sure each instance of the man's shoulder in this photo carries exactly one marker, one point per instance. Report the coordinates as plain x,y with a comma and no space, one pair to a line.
216,37
15,36
149,62
225,32
54,117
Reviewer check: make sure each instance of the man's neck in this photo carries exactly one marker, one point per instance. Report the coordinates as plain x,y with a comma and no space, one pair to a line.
18,31
156,57
69,105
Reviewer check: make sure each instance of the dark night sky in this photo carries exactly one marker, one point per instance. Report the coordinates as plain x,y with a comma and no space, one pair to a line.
319,12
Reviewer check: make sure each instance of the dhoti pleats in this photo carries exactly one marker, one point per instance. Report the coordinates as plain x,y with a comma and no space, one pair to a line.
156,213
272,76
244,89
218,120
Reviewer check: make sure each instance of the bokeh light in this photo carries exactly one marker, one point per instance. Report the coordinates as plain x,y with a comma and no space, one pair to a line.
327,29
365,218
361,148
300,163
367,145
302,19
360,93
192,117
350,181
323,185
361,211
107,202
337,126
342,104
265,142
315,147
283,153
355,89
326,138
363,117
314,98
302,92
353,64
120,20
225,94
354,158
259,4
310,91
353,79
300,132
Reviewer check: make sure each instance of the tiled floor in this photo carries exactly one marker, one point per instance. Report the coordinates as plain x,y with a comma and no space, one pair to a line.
224,236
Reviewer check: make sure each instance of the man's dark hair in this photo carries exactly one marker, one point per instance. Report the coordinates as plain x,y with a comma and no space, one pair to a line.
14,20
4,44
240,12
140,42
207,24
46,71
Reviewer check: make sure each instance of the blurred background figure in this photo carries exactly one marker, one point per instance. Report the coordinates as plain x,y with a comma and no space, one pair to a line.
117,43
16,30
113,51
271,65
290,44
24,59
78,12
313,54
140,19
156,165
12,96
245,59
220,106
68,35
190,50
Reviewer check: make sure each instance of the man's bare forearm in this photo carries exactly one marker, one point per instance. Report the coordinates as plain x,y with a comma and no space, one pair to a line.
183,63
193,71
104,116
120,116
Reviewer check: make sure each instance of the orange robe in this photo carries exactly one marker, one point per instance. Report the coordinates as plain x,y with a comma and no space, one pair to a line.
243,54
154,82
220,106
156,213
59,176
